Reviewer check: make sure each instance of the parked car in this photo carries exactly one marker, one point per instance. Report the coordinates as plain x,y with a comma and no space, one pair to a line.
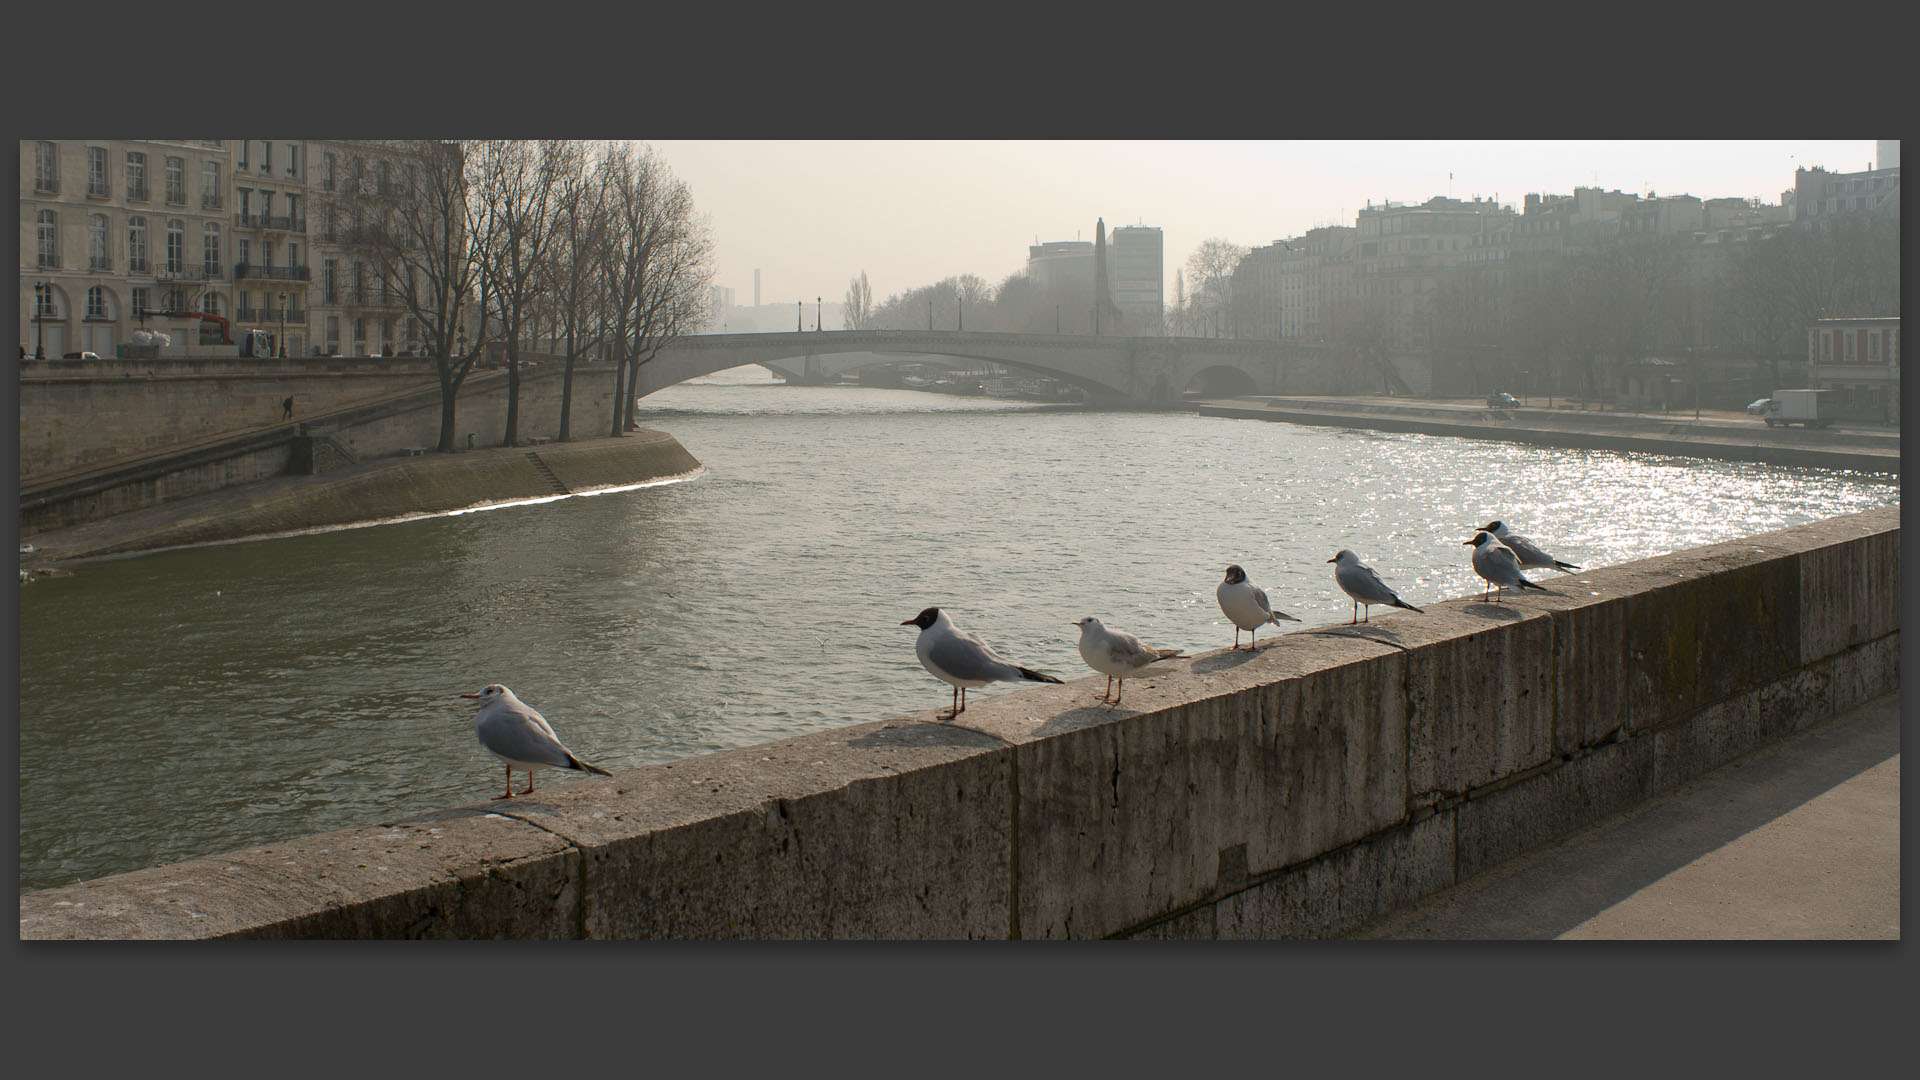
1502,400
1760,407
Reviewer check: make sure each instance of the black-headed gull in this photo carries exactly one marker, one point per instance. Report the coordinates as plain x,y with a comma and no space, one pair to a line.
516,733
1363,585
1497,563
1245,605
1529,553
962,659
1116,653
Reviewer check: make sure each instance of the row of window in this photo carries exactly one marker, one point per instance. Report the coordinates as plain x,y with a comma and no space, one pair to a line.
1853,346
46,176
138,261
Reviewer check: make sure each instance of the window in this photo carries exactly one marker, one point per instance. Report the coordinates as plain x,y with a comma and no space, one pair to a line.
359,284
244,144
266,156
139,300
293,254
177,181
49,227
326,180
360,333
210,249
293,160
46,167
1849,335
137,246
97,258
176,246
136,175
210,193
210,303
97,172
1873,346
333,332
97,303
246,204
243,256
326,280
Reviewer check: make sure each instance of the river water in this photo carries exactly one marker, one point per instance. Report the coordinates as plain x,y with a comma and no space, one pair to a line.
192,702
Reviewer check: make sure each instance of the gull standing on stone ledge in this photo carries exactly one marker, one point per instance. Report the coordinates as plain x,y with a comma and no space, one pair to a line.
1245,605
1116,654
516,732
1497,563
1529,553
1363,585
962,659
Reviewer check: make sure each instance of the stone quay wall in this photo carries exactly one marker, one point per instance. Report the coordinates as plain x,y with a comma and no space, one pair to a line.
403,420
1297,791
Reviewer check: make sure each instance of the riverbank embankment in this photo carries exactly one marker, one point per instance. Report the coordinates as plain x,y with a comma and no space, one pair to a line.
383,489
1299,789
1719,436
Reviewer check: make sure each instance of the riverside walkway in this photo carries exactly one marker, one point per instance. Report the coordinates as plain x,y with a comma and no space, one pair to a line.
1798,840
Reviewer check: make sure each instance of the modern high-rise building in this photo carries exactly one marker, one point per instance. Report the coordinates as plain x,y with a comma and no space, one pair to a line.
1136,276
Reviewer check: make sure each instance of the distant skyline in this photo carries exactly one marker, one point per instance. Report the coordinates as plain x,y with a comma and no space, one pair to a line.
812,215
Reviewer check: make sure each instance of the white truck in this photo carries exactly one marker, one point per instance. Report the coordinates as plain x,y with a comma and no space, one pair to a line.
1798,407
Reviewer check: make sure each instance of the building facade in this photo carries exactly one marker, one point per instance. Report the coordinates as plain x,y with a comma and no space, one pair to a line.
1136,275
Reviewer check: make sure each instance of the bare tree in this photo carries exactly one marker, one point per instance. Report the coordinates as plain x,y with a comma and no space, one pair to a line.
517,182
661,267
428,240
858,309
576,277
1212,265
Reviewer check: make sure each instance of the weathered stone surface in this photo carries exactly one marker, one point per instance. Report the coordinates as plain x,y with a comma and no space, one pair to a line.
1860,675
1296,749
1354,885
1480,701
1500,824
1851,591
458,874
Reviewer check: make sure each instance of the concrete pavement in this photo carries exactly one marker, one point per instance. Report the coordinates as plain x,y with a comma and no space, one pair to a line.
1799,840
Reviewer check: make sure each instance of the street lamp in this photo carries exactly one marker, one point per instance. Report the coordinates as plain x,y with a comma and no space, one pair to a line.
799,315
41,290
817,324
283,326
929,312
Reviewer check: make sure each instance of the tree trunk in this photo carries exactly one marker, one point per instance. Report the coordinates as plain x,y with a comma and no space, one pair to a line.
566,394
619,390
449,390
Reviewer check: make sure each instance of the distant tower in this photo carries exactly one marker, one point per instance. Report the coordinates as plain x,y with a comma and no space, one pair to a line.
1105,312
756,288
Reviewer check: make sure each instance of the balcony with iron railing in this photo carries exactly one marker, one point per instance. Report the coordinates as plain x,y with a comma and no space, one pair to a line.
211,202
189,273
295,316
272,273
138,265
279,222
137,192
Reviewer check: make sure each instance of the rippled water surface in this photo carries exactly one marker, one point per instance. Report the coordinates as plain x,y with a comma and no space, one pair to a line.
193,702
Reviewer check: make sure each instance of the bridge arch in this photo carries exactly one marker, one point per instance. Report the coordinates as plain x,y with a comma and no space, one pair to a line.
1221,380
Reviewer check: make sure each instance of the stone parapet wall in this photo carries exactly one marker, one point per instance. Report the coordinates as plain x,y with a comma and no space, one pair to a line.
1298,791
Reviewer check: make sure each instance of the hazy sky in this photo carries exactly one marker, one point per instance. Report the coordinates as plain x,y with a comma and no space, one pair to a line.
812,215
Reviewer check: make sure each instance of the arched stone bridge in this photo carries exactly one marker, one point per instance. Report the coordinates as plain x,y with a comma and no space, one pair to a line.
1139,371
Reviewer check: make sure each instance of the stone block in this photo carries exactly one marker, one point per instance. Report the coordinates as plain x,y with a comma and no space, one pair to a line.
1859,675
1719,624
1480,702
886,830
1850,590
1502,823
1350,887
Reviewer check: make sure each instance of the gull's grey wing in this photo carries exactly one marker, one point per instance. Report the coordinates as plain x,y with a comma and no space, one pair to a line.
1130,651
1363,584
965,656
516,737
1260,597
1527,550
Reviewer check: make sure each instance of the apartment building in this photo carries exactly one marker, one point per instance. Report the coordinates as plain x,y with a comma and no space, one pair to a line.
1136,276
116,232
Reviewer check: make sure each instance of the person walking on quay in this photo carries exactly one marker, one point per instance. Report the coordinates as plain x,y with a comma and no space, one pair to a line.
286,408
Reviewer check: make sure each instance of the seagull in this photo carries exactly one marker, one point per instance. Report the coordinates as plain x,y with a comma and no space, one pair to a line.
1245,604
1116,653
519,735
1497,563
1530,555
955,656
1363,585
